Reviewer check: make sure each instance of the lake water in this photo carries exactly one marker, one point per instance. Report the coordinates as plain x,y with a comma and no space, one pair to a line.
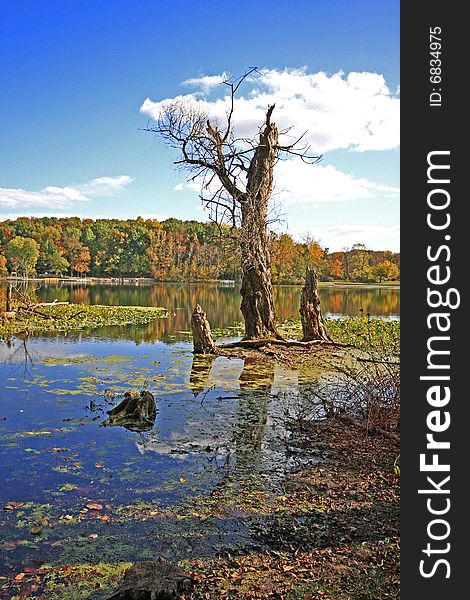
221,302
74,491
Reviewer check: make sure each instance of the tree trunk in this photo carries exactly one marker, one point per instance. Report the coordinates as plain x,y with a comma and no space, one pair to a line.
257,296
8,300
313,325
202,337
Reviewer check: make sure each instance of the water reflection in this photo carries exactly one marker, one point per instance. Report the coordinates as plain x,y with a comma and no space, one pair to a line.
219,420
200,372
256,380
220,301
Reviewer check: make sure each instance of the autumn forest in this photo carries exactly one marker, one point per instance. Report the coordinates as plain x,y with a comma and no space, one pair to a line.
174,251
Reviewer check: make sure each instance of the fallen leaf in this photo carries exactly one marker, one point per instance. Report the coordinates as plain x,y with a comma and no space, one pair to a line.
13,505
95,506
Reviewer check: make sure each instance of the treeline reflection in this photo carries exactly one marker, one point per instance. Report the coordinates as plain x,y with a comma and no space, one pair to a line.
220,302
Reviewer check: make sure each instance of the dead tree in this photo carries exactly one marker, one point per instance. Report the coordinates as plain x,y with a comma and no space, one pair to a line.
313,325
237,177
202,337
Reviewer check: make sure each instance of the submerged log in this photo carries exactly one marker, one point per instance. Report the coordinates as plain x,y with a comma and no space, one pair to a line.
153,580
135,412
202,337
313,325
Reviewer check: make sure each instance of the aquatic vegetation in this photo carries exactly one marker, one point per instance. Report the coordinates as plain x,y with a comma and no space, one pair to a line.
206,479
78,360
72,317
82,581
362,332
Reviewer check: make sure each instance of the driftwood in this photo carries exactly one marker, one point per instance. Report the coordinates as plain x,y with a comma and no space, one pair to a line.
135,412
378,361
153,580
313,325
54,303
202,337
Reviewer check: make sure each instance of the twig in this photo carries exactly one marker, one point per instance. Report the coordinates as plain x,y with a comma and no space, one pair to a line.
36,312
76,314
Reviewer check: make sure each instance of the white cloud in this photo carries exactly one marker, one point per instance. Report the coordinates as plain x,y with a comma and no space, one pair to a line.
355,111
106,186
61,197
50,197
206,82
195,185
296,181
301,183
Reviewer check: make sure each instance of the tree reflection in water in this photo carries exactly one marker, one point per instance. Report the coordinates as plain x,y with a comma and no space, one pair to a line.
221,302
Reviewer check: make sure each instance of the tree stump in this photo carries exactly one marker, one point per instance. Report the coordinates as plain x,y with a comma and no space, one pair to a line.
153,580
135,412
313,325
202,337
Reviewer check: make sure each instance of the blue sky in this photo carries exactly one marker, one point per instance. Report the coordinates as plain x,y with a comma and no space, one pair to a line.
75,75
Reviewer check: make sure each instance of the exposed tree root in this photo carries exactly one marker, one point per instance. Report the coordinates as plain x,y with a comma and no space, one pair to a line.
260,343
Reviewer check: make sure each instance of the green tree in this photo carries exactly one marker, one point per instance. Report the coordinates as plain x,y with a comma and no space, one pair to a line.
385,270
23,254
54,260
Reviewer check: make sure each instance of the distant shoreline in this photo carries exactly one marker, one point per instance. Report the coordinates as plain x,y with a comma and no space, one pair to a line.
151,281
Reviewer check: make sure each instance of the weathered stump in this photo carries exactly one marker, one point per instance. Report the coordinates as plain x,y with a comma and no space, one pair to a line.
135,412
153,580
313,325
202,337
